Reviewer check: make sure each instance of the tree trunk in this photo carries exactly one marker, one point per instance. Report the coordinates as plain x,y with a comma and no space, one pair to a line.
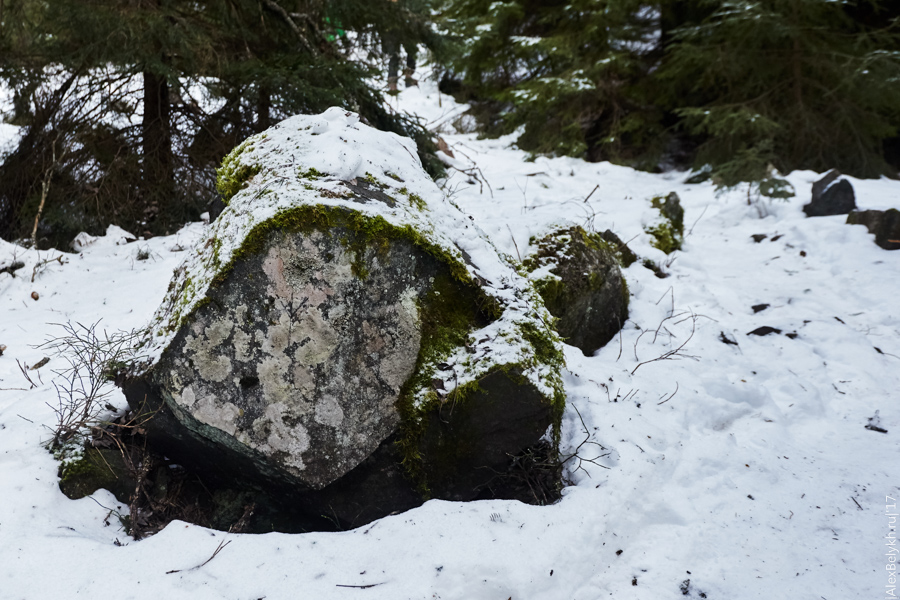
263,108
797,145
157,171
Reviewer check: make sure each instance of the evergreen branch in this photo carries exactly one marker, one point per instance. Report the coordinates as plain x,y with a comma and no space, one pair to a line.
290,22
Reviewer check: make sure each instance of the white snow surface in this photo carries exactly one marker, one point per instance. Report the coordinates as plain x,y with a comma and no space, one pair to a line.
746,469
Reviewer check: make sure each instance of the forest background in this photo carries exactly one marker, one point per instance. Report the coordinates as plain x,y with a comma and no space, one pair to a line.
125,108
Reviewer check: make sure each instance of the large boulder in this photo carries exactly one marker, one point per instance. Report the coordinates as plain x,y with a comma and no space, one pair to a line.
885,224
831,195
577,274
344,336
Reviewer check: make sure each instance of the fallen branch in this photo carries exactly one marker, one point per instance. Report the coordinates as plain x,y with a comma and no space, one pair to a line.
882,352
514,242
218,549
471,172
672,395
671,354
24,369
12,267
290,22
43,263
631,394
691,230
620,344
671,292
586,440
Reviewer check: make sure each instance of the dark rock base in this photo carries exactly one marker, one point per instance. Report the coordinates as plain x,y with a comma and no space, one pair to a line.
831,195
154,490
885,224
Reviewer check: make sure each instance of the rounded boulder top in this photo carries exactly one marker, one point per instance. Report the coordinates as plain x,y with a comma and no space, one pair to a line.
334,161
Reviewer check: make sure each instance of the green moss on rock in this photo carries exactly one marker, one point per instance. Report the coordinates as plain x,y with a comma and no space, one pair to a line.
577,275
668,234
665,237
310,173
233,175
368,232
553,291
94,469
448,314
414,199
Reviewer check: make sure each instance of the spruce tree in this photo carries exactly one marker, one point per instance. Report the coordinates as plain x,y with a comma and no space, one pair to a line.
141,99
791,83
567,71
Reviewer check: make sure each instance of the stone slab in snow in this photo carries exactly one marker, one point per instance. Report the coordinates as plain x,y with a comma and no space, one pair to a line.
885,224
339,313
831,195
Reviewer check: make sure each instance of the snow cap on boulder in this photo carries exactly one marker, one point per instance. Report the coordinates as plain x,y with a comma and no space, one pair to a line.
317,161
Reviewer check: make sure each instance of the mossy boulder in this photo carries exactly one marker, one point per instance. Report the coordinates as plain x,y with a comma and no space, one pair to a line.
577,274
92,469
344,336
885,224
667,230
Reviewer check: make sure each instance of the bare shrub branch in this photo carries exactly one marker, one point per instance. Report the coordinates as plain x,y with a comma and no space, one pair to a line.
675,353
92,360
586,441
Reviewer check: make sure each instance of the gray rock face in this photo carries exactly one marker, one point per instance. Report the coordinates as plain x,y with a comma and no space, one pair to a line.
578,276
831,195
885,224
337,344
299,359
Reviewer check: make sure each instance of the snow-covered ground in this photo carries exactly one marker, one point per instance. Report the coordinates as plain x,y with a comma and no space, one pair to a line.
745,469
